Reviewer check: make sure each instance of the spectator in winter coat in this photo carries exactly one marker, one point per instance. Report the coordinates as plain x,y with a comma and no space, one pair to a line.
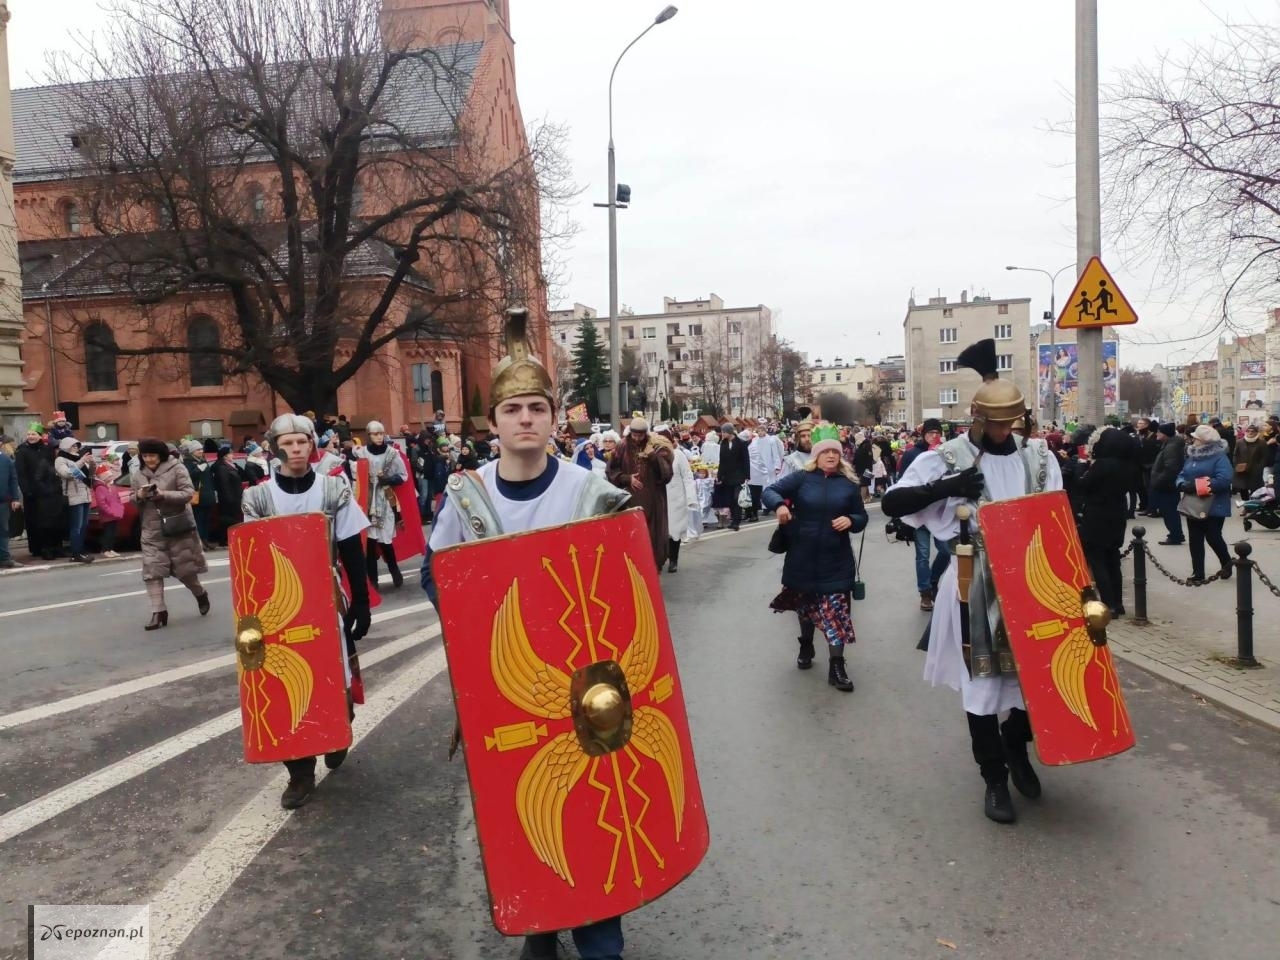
42,501
10,500
1250,460
228,484
1103,487
1207,459
1164,482
74,469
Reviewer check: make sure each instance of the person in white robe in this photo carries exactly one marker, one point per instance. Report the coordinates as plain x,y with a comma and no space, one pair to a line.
386,472
989,463
682,499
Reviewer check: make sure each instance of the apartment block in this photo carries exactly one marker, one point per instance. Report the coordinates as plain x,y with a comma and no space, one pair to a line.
935,332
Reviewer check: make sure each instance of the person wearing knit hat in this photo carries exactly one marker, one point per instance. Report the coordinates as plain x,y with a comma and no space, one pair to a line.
642,465
296,487
75,469
989,463
819,508
732,471
381,504
1205,483
1164,479
524,489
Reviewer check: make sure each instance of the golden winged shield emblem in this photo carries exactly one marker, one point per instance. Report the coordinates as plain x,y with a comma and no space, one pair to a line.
576,736
1057,628
288,660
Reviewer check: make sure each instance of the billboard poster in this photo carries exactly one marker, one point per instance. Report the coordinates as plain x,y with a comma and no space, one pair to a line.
1059,364
1252,408
1253,369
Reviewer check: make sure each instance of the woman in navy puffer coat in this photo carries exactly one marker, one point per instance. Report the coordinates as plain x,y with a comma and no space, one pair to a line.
1207,457
821,507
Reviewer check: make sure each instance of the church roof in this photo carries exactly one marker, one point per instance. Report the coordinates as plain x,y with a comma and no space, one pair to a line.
421,104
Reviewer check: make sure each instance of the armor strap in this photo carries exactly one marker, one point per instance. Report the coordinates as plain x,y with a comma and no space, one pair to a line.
467,493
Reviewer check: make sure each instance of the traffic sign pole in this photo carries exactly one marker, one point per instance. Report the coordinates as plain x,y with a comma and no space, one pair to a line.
1088,202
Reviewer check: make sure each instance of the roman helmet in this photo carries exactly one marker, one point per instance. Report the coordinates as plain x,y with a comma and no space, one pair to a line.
518,373
996,401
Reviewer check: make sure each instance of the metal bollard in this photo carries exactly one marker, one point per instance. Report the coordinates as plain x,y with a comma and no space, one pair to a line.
1244,605
1139,576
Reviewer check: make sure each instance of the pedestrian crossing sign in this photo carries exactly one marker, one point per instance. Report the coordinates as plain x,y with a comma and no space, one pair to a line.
1096,301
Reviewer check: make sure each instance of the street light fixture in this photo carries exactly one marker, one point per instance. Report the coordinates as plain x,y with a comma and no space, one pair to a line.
615,345
1052,317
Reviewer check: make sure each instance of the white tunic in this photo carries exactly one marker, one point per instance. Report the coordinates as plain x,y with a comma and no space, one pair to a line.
553,506
711,451
1006,477
765,456
682,497
387,465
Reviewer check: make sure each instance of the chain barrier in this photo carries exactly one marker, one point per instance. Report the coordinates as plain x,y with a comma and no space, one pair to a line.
1180,581
1265,580
1124,554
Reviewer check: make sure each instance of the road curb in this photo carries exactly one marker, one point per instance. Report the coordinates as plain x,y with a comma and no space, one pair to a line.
1214,694
47,566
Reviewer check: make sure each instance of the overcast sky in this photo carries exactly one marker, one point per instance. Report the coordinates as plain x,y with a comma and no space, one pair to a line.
823,158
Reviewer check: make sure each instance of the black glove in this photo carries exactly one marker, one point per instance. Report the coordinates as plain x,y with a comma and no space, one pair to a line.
356,622
967,484
1187,487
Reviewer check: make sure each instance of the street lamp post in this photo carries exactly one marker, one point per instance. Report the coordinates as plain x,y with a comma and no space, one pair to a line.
615,347
1053,324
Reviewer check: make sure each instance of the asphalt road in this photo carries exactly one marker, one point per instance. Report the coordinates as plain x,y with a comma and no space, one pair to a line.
842,824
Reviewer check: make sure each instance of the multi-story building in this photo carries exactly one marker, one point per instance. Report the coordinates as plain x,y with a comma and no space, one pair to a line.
1202,388
850,378
936,332
891,378
1242,377
696,351
1273,361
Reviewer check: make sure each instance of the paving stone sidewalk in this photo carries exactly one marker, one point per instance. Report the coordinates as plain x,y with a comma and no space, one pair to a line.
1192,638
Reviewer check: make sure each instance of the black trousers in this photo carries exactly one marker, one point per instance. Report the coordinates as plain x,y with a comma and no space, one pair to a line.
756,491
1207,530
372,548
1105,564
993,742
673,552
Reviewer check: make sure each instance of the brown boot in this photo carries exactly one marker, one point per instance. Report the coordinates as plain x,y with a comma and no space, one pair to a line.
926,599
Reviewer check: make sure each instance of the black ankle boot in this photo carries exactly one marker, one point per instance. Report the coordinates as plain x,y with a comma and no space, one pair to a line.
1015,734
836,675
804,660
158,620
998,805
202,603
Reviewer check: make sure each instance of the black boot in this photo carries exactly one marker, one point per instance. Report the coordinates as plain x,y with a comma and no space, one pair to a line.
836,675
804,659
673,555
371,563
389,554
158,619
997,804
1015,734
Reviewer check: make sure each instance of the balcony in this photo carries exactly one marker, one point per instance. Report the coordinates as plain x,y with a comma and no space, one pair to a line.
676,340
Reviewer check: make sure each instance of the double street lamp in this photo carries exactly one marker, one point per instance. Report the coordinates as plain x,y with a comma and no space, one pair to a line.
615,341
1052,317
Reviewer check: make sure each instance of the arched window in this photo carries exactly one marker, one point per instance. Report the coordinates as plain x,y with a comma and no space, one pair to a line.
100,358
257,203
71,218
202,339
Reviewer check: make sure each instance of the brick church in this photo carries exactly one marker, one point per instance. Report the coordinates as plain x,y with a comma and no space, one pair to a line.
78,312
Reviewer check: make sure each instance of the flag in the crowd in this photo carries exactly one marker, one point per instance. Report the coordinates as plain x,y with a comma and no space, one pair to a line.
578,413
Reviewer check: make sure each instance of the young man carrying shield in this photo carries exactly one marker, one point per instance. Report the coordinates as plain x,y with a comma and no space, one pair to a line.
525,489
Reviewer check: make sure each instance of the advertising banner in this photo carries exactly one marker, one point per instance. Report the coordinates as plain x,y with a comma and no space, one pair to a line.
1058,364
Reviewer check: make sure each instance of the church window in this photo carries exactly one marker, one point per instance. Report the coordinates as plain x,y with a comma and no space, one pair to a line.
100,358
202,339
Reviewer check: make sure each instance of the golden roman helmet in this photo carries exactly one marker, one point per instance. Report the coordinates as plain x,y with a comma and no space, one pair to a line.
996,401
518,373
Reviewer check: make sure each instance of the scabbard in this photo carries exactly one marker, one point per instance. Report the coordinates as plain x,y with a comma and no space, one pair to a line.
963,557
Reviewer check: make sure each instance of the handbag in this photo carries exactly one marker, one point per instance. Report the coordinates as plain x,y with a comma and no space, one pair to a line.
1193,507
176,524
859,586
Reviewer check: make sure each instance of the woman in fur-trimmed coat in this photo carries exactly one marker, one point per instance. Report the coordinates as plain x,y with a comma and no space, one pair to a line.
162,488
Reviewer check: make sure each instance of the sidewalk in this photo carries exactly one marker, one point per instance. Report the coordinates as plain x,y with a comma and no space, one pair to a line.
1192,634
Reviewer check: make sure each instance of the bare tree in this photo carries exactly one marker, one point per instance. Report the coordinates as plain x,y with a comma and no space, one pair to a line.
1140,389
1191,148
315,179
777,365
874,402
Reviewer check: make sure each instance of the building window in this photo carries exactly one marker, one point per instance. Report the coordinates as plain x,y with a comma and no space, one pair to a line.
1004,331
564,337
202,340
694,355
948,335
71,218
735,326
822,378
839,376
735,353
649,333
628,333
257,203
948,395
650,358
948,311
100,358
1004,361
1002,309
947,366
902,393
420,373
695,329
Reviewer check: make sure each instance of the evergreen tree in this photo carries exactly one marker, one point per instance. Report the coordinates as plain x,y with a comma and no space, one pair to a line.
664,410
590,367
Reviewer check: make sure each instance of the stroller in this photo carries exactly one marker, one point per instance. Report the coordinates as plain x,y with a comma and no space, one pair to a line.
1261,508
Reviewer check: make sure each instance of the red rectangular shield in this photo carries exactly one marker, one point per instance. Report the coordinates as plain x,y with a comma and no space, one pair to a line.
293,693
572,714
409,540
1070,685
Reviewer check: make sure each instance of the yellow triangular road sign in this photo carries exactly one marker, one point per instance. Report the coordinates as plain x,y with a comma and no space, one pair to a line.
1096,301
